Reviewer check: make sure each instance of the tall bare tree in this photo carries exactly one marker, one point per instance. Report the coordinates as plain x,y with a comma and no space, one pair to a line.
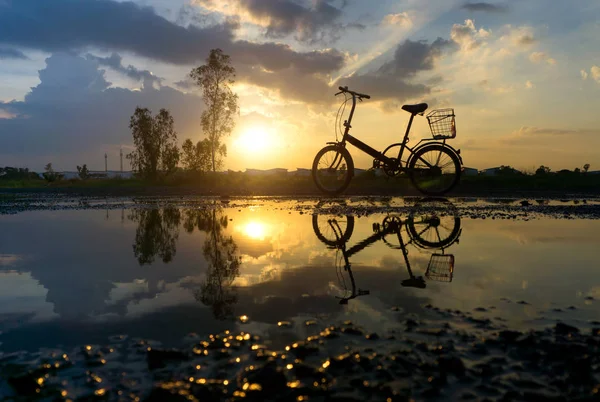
215,78
155,142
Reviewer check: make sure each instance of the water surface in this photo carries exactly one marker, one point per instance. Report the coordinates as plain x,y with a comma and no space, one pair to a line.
74,276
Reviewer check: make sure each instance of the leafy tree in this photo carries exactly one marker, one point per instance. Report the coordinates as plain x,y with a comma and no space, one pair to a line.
542,170
155,143
577,170
586,167
197,157
215,78
506,170
83,171
50,175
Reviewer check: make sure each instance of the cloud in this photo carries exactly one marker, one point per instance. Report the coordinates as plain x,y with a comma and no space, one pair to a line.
529,85
73,25
317,22
393,80
114,61
484,7
527,134
9,53
538,57
584,74
400,19
467,36
73,117
595,72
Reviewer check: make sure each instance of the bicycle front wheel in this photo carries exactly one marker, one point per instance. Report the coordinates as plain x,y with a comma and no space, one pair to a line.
434,169
332,169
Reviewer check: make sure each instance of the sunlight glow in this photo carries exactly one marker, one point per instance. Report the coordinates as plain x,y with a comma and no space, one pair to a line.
254,140
255,230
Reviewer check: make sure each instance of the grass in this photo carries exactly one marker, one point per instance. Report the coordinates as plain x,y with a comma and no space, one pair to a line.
367,183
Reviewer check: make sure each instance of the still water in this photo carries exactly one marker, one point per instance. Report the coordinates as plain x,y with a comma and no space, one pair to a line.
69,277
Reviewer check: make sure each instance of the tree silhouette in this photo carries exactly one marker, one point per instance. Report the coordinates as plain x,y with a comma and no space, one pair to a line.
156,234
219,251
586,167
155,143
197,158
215,78
542,170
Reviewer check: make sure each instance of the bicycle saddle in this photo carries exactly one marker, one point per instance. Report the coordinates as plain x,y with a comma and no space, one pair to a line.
415,109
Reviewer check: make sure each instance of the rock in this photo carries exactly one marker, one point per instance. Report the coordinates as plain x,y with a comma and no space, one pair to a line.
451,365
509,336
565,329
160,358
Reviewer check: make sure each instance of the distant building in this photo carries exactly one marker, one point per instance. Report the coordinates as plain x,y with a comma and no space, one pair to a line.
495,170
301,172
268,172
470,171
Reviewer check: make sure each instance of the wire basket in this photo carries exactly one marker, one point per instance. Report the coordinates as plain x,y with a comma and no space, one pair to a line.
440,268
442,123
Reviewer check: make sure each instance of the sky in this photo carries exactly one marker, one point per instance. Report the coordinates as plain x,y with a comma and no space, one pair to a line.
522,76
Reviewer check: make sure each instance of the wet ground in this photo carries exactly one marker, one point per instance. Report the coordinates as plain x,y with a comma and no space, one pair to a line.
470,299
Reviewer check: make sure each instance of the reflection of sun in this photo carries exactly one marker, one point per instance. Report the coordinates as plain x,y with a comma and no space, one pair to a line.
253,140
255,230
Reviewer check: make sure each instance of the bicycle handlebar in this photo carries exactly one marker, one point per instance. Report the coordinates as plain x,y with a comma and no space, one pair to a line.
345,89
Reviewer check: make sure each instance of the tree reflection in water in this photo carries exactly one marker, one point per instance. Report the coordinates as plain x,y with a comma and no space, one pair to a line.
219,250
156,234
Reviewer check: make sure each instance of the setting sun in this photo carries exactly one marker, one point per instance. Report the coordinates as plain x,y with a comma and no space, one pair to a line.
254,140
255,230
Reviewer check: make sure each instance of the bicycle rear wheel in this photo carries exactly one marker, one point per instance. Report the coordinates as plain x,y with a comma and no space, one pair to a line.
332,169
434,169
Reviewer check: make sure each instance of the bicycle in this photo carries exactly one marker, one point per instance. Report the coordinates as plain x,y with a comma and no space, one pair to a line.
428,162
426,229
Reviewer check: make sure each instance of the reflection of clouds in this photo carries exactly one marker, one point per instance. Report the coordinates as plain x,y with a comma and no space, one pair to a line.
123,291
29,293
173,294
544,231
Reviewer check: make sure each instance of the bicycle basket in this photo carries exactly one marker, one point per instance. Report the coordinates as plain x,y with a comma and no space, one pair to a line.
440,268
442,123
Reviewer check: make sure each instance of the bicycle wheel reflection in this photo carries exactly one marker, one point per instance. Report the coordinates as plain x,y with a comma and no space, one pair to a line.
432,224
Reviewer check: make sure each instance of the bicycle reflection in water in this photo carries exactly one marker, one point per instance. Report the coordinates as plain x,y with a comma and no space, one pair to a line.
432,224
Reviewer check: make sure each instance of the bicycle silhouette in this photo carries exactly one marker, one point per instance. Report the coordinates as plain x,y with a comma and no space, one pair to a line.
426,229
434,167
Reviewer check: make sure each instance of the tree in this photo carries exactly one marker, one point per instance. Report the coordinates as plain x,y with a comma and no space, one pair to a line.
542,170
50,175
586,167
83,171
215,78
156,234
155,143
197,157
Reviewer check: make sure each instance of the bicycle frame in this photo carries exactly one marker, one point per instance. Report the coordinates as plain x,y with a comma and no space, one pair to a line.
347,137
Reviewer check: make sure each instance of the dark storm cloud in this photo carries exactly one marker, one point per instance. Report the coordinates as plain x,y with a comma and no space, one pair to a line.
115,61
484,7
63,25
73,115
317,22
8,53
393,80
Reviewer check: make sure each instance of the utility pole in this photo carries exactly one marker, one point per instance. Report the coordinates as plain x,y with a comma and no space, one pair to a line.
121,154
105,163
